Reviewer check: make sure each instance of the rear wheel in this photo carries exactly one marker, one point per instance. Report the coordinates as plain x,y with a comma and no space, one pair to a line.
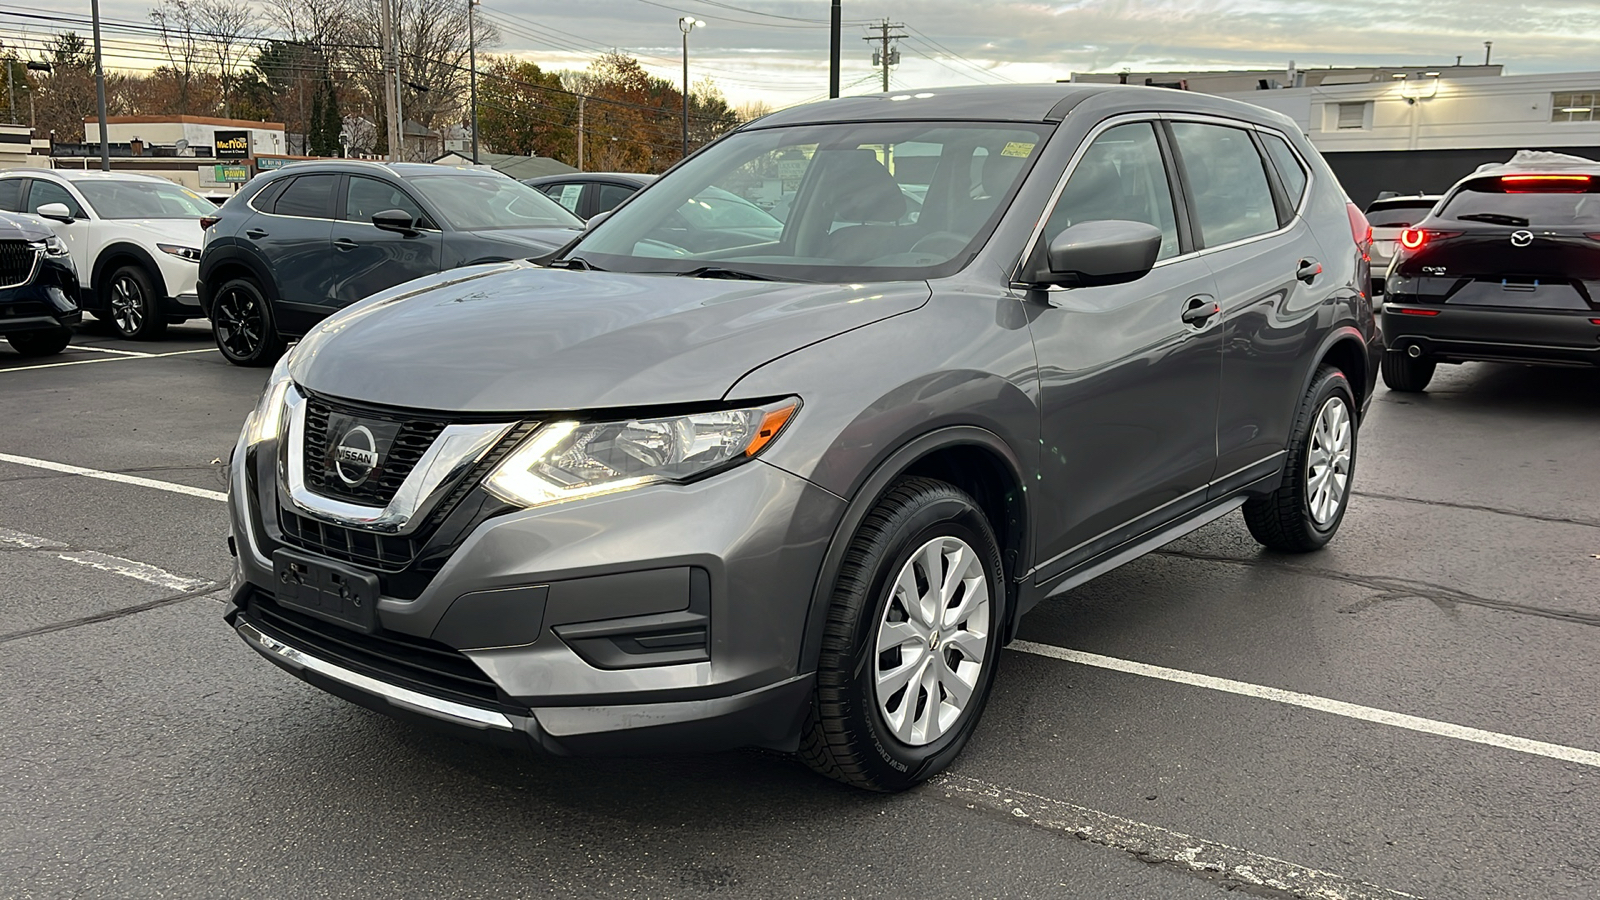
911,642
40,343
132,306
241,321
1304,512
1403,373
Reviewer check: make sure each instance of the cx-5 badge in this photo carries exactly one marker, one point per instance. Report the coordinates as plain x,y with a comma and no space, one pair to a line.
1521,238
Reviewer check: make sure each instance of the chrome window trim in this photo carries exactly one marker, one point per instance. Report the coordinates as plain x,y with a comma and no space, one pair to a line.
1153,117
448,710
453,452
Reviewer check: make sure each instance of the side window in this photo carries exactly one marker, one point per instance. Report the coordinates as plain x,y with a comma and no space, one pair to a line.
49,192
308,197
1121,176
1290,170
1228,180
11,194
366,197
610,196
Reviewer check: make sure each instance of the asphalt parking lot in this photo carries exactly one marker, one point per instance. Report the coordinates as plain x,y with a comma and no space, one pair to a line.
1410,712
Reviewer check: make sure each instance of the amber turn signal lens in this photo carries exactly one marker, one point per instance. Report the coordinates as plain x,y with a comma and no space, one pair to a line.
771,424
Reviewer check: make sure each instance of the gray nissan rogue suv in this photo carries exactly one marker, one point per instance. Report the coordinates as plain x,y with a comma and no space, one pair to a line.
690,487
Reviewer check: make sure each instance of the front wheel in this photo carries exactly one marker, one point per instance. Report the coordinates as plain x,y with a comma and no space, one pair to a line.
241,321
911,642
131,304
1305,511
41,343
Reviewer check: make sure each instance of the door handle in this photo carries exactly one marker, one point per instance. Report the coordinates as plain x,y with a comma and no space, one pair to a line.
344,244
1308,271
255,233
1200,309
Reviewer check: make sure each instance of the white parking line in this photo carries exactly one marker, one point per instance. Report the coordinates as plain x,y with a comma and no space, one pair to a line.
1321,704
105,359
1152,843
108,350
105,562
114,476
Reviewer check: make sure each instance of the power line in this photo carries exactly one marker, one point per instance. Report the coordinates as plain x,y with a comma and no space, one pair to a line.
958,56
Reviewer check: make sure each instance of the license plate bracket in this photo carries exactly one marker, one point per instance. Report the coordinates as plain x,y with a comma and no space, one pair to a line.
329,591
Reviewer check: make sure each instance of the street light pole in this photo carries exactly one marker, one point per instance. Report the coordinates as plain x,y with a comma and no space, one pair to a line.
472,64
100,91
686,25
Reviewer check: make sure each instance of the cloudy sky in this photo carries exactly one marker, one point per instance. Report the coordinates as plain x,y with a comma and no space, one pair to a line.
777,50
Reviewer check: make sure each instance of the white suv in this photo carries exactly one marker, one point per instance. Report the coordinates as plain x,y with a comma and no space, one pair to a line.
135,240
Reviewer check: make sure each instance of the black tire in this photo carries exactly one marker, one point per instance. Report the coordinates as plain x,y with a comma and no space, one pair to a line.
40,343
132,305
847,736
242,323
1286,519
1402,373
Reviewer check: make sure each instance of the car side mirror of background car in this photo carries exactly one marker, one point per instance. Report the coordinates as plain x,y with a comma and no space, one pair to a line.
395,220
596,219
1102,252
56,211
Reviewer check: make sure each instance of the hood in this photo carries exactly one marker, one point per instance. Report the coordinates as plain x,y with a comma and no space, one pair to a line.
515,337
187,231
16,226
541,240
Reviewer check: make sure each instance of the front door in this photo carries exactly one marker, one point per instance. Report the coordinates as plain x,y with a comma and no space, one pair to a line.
1128,388
371,259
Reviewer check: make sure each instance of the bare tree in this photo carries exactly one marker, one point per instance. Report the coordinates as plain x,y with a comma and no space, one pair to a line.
180,40
229,27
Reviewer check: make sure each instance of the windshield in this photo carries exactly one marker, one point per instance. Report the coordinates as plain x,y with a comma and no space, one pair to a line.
1495,202
486,202
144,200
847,202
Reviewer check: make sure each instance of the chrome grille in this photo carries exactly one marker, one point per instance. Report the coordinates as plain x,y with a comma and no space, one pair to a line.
412,439
17,260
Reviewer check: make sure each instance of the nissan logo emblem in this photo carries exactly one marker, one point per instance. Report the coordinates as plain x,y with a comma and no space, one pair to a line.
356,456
1521,238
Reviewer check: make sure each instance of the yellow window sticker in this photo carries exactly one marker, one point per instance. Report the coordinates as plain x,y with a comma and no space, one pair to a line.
1018,148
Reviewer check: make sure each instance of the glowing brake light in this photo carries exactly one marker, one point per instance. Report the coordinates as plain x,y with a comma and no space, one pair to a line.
1413,238
1416,312
1532,184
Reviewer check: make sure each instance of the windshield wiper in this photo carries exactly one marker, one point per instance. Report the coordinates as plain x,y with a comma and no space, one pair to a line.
1495,219
732,274
574,262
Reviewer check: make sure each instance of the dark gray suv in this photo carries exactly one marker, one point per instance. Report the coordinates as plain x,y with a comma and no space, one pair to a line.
796,490
295,246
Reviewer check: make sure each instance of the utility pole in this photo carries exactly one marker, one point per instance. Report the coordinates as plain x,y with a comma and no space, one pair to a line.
581,99
390,106
399,90
686,25
833,53
100,91
472,64
883,56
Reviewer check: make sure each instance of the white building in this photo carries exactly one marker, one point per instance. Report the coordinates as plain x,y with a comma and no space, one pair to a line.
201,136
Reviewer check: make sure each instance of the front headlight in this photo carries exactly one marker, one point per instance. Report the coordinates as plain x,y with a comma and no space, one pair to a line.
266,422
189,254
567,460
51,245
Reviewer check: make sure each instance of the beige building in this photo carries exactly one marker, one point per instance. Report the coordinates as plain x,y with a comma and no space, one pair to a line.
201,136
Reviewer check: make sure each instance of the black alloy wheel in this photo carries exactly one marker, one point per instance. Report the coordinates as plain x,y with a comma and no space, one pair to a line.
241,321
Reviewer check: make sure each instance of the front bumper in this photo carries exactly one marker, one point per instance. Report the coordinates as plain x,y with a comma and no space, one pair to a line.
667,618
183,305
1465,333
43,305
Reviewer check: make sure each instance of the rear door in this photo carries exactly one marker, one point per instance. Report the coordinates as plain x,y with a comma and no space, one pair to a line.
293,233
1270,285
371,259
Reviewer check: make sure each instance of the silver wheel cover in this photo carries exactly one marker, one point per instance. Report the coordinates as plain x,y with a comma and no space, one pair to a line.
932,641
1328,461
127,305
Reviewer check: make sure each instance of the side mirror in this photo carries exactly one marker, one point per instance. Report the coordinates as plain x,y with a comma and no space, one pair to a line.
1088,254
395,220
56,211
596,219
